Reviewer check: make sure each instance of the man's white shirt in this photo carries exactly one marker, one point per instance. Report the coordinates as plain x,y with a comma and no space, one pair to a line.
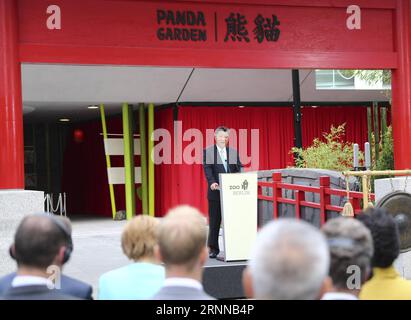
183,282
21,281
223,156
338,296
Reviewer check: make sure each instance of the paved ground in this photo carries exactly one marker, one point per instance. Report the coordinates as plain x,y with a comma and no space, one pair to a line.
97,249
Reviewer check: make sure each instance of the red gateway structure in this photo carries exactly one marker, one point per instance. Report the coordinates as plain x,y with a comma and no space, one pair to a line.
264,34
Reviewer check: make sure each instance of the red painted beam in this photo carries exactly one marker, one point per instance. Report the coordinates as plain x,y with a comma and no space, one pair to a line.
206,58
401,88
380,4
128,32
11,118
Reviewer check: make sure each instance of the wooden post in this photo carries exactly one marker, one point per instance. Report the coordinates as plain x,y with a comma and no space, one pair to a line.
11,110
325,199
355,204
299,196
276,192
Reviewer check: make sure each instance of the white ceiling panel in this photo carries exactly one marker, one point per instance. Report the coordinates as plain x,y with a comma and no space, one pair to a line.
52,91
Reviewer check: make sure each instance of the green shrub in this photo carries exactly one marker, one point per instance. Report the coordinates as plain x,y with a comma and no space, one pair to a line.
331,152
386,158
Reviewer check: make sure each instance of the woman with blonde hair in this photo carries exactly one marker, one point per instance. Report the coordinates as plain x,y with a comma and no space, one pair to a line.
144,277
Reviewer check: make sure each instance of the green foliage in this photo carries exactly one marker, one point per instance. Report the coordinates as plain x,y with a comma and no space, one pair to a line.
386,159
373,76
331,152
386,155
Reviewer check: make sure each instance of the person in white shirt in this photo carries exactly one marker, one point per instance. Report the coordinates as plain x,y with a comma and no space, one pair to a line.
182,247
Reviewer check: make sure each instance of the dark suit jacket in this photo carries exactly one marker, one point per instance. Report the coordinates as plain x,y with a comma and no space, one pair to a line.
69,286
35,292
213,166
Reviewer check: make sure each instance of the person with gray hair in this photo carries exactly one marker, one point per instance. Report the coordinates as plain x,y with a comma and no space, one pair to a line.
182,247
289,261
351,250
218,159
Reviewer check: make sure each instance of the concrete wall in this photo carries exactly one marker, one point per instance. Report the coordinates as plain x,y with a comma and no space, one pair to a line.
14,205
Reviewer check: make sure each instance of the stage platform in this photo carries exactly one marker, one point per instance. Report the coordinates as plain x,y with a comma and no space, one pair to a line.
223,280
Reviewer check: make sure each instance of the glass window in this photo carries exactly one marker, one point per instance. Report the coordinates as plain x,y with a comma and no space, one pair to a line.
334,79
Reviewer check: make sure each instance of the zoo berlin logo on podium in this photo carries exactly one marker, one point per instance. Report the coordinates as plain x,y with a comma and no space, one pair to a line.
240,190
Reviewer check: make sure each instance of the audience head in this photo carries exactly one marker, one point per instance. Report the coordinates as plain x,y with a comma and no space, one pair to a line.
290,260
350,244
182,238
385,235
139,238
42,240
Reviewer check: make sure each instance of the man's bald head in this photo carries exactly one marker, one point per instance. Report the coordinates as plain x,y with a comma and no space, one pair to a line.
38,240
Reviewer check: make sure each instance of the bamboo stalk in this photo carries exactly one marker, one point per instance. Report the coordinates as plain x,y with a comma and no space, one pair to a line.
366,177
377,173
365,191
369,123
108,162
376,133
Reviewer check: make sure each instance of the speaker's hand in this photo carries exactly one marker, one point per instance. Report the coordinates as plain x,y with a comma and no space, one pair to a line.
215,186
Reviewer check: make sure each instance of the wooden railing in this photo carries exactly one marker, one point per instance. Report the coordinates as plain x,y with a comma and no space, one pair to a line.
324,191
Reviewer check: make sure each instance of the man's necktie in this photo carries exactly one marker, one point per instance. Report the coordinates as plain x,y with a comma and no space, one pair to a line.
224,159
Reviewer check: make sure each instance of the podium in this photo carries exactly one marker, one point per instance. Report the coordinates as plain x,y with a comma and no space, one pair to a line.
238,195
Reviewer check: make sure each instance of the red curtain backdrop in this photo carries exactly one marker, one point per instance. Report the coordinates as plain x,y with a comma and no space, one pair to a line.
316,121
186,184
166,182
85,172
85,175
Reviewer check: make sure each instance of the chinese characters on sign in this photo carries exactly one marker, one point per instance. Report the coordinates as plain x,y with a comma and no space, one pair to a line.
236,28
266,28
191,26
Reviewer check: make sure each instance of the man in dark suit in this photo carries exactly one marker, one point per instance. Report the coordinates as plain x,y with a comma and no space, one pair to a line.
218,159
42,244
69,286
